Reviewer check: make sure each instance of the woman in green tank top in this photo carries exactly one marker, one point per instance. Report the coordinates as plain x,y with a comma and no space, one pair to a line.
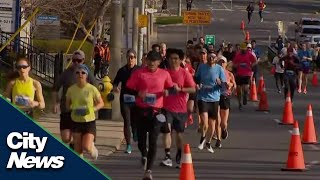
23,91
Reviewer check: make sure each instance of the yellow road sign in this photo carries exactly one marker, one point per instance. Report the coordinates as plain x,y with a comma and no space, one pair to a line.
197,17
143,21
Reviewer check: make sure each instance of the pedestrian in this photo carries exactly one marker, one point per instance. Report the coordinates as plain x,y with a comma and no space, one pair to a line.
148,84
243,64
257,53
279,71
67,79
291,68
24,91
175,106
189,4
209,78
99,54
250,9
262,6
225,97
305,61
127,107
83,100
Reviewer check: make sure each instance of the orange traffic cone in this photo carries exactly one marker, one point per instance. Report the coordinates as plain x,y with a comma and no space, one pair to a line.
261,85
253,91
314,79
186,172
295,160
309,132
287,116
247,36
263,103
242,26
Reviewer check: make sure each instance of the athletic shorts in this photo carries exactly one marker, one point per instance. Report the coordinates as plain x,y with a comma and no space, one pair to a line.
243,80
192,96
210,107
85,127
176,120
224,102
65,121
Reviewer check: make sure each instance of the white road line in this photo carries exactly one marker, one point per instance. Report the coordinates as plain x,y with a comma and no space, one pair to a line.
290,131
312,163
277,120
224,5
314,147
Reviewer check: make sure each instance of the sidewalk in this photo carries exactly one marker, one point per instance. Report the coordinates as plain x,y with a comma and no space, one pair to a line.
109,133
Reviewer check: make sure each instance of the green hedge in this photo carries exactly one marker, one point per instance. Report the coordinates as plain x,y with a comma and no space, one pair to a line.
53,46
169,20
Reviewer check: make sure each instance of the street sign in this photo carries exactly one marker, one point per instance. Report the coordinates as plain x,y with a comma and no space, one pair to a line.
143,21
151,11
197,17
210,39
7,16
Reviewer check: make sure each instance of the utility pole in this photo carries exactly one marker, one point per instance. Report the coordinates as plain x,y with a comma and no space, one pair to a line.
179,7
128,25
141,37
115,50
135,31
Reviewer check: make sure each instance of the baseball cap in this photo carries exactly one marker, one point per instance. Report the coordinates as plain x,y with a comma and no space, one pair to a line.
249,45
203,50
222,58
154,56
243,46
78,54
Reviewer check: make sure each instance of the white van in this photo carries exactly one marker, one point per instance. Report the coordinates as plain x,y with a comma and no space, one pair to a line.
308,22
308,33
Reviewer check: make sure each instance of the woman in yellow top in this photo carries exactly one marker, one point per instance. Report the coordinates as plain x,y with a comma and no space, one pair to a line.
83,99
22,90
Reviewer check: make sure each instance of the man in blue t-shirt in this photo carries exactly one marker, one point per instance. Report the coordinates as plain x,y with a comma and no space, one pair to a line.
305,58
209,78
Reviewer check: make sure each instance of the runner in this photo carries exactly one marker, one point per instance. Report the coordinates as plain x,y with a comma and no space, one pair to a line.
149,85
305,60
262,6
127,108
279,70
291,68
175,105
243,63
225,97
82,101
22,90
209,79
250,9
67,79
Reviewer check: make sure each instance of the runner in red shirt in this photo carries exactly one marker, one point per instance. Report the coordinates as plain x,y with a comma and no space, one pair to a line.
175,105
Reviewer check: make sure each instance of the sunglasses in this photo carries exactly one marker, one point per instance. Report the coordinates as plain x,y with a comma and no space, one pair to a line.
22,66
82,72
77,60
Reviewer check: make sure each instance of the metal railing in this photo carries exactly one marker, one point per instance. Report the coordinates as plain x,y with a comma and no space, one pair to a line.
44,66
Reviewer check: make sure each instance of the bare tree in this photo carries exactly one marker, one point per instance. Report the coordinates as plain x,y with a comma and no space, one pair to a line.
70,12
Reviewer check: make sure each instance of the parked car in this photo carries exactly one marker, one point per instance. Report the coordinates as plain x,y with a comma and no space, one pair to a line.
308,33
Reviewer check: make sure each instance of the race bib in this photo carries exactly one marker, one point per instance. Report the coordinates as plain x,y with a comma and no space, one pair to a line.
207,88
22,100
127,98
82,111
161,118
150,99
243,65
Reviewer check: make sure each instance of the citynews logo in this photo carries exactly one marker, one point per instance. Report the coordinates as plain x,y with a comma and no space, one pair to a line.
26,140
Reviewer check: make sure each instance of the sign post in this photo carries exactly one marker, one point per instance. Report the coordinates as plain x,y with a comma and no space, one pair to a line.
143,21
197,17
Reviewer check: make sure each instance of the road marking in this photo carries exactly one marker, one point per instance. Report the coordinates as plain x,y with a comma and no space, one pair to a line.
290,131
312,163
277,120
224,5
314,147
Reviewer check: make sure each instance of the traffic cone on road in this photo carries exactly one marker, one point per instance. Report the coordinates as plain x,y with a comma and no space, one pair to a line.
187,172
253,91
263,103
314,81
309,132
242,26
287,116
261,85
295,160
247,36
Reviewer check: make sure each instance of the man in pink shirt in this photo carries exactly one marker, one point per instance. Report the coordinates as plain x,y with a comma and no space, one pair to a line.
148,86
243,63
175,105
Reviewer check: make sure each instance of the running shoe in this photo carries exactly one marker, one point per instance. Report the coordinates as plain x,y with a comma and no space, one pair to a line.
209,147
224,134
147,175
201,145
178,160
167,161
218,144
94,153
129,149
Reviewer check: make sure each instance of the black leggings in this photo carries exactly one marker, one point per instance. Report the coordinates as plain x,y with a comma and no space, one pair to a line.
128,120
279,77
260,14
249,16
147,123
290,82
